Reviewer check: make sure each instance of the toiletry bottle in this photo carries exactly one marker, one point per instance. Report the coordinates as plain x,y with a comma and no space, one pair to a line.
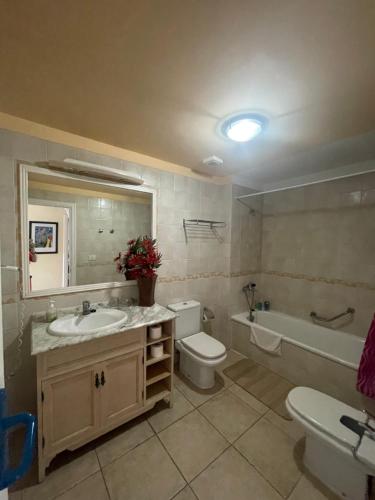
51,313
266,305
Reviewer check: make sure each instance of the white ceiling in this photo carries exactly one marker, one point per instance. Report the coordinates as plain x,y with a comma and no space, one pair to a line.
347,155
156,77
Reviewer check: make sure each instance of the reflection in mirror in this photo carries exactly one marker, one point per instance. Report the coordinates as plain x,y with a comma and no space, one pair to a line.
77,228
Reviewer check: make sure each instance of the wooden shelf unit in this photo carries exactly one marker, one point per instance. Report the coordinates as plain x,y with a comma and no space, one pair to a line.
159,371
150,360
156,372
162,339
157,391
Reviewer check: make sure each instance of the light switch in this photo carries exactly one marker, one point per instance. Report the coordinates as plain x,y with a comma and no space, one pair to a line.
92,258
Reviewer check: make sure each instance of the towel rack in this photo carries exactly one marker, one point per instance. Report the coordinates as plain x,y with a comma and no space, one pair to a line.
321,319
203,223
199,228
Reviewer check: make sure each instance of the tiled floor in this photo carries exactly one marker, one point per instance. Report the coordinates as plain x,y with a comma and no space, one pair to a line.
262,383
221,444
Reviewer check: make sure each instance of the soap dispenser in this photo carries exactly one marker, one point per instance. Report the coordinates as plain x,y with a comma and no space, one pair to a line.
51,313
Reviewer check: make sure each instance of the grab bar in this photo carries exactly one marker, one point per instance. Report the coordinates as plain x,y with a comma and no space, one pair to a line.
314,316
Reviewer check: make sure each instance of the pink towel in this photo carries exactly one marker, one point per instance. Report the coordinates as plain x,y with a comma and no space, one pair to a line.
366,371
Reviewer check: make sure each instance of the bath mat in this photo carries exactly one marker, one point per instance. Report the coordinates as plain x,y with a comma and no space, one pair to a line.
262,383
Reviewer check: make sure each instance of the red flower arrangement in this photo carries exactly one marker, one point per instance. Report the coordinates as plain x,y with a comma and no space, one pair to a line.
140,260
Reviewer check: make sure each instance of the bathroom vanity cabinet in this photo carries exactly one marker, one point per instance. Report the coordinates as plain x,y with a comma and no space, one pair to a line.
89,388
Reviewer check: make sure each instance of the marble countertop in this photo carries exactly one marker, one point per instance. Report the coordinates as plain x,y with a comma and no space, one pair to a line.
42,341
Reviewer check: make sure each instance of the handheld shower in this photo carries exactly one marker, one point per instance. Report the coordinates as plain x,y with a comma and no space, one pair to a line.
250,288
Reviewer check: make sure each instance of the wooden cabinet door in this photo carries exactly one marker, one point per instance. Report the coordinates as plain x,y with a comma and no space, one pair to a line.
121,392
70,408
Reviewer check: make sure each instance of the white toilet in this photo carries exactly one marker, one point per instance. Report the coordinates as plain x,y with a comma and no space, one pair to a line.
200,354
330,444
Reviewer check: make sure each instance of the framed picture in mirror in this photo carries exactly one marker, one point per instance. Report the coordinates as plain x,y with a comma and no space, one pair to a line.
44,236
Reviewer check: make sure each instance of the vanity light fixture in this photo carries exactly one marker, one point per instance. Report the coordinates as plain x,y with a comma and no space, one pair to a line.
243,127
88,169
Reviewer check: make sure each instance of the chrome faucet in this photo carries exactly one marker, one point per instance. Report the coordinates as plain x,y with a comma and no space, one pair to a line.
86,308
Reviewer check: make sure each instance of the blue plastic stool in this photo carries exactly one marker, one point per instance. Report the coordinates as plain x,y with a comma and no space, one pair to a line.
8,476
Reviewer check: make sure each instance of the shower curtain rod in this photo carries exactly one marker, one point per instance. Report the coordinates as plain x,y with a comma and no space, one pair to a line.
276,190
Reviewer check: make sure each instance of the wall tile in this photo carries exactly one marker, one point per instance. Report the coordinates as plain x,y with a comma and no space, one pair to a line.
28,148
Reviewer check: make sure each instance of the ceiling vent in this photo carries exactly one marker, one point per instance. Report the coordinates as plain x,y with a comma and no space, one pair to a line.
213,161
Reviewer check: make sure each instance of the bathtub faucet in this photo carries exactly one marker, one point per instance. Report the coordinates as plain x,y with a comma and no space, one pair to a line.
250,288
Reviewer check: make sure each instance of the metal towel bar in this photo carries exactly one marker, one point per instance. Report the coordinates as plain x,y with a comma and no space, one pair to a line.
315,316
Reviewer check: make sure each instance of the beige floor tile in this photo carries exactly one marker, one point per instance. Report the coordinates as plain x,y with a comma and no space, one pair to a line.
198,396
132,435
92,488
249,399
63,478
309,488
186,494
232,358
292,428
145,473
232,477
162,416
192,443
274,454
262,383
229,414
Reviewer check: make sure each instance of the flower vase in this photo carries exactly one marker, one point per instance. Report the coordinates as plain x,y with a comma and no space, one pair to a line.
146,290
129,275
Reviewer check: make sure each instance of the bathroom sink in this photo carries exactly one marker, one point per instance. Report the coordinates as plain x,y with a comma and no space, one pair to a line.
95,322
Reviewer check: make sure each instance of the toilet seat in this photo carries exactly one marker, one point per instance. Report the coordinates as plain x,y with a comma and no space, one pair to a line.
204,346
323,413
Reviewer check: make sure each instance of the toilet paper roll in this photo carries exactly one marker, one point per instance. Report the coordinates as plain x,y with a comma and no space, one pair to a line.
154,332
157,350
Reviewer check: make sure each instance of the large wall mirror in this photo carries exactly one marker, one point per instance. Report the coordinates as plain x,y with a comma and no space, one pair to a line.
75,227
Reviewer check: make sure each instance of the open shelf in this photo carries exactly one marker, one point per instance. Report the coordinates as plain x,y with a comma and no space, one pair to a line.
157,391
150,360
162,338
155,373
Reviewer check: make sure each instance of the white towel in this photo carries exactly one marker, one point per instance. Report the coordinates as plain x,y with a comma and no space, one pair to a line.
265,339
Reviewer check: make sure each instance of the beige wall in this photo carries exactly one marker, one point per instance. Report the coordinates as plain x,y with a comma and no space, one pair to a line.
308,249
245,254
47,271
318,250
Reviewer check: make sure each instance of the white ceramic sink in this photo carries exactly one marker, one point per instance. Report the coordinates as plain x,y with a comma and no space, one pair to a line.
95,322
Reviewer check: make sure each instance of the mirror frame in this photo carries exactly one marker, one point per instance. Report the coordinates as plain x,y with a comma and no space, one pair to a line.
24,170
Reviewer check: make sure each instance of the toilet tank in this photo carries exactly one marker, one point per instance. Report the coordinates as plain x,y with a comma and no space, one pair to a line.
188,321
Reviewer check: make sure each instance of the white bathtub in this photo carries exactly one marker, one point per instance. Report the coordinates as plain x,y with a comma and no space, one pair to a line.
311,355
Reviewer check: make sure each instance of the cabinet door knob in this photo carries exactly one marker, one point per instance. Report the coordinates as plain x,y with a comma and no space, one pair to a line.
102,379
97,383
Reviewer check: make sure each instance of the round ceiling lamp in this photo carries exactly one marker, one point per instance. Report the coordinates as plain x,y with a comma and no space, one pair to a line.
243,127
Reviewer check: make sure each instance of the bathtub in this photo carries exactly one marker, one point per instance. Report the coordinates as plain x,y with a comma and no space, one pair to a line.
311,355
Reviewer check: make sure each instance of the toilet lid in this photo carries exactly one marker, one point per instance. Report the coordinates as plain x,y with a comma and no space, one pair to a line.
203,345
324,413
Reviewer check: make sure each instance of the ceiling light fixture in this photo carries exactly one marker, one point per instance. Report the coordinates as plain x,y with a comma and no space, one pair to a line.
243,127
